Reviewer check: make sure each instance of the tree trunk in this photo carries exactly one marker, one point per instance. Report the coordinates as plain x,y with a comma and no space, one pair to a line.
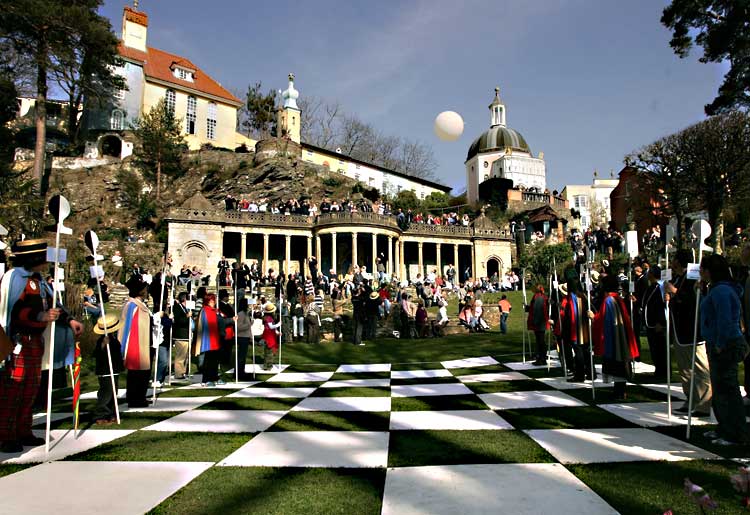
719,233
158,179
40,116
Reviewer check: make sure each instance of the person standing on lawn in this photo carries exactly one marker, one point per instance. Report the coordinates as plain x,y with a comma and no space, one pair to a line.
135,336
270,336
745,282
720,319
574,330
655,320
680,293
505,307
181,334
209,334
613,337
244,328
105,396
538,323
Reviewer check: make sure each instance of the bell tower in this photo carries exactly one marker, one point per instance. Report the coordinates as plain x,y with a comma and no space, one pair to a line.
497,110
134,27
289,113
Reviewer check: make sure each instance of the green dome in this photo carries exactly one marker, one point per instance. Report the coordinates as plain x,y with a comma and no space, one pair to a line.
498,138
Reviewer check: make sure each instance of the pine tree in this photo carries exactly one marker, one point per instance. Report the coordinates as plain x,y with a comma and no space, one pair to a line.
161,143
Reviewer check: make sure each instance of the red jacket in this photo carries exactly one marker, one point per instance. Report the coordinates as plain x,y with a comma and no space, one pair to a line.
530,320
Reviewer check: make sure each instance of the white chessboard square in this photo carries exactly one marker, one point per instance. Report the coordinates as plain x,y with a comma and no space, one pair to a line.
226,386
529,365
357,383
220,421
448,420
374,367
654,414
473,489
300,377
492,377
429,390
420,374
313,449
272,393
533,399
258,369
470,362
63,443
675,390
614,445
560,383
344,404
63,482
172,404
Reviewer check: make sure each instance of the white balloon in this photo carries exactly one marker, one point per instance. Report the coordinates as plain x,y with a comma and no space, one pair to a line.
449,126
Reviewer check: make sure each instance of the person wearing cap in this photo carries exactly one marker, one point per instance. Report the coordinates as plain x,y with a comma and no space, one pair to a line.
135,336
209,334
681,295
538,323
226,310
270,335
654,318
26,313
613,337
105,396
182,319
573,329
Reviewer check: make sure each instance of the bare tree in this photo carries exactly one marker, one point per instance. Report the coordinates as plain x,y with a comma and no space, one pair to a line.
416,159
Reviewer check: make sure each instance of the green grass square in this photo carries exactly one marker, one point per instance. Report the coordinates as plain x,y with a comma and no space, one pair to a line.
479,370
251,403
166,446
312,367
425,380
655,487
422,365
437,403
288,491
585,417
344,376
354,391
281,384
697,439
195,392
333,421
634,393
421,448
6,469
538,373
522,385
136,420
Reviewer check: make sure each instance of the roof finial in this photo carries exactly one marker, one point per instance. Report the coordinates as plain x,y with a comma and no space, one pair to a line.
135,4
497,91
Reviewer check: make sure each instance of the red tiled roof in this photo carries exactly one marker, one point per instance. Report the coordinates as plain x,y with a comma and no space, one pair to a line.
158,64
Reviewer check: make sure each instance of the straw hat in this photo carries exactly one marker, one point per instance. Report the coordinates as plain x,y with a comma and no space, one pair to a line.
112,322
374,295
563,289
270,308
594,276
27,251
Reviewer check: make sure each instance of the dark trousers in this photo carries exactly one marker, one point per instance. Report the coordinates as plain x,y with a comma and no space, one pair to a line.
225,354
727,400
105,398
357,329
372,321
504,322
338,328
657,342
582,360
567,348
243,344
137,386
312,330
541,347
211,365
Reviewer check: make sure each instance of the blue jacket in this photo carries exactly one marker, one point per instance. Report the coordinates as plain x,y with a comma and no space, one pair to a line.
720,314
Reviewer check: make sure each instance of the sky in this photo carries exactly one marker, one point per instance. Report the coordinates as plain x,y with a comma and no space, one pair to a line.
584,81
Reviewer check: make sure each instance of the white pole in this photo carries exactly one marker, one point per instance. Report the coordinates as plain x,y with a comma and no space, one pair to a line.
252,335
559,320
591,334
171,335
106,336
523,287
161,310
669,367
692,365
281,323
236,337
549,316
52,331
190,338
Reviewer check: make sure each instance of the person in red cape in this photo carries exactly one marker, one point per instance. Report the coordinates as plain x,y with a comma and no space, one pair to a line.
538,322
209,334
613,337
573,330
270,335
135,337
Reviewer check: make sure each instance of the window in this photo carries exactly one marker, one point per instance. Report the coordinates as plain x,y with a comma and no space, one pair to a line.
584,221
192,103
356,175
169,100
421,195
580,201
183,74
117,120
211,121
119,94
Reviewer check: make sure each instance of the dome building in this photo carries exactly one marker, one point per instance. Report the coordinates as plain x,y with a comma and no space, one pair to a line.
502,153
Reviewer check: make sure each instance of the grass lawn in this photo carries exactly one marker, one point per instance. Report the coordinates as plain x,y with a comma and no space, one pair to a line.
265,490
563,418
333,421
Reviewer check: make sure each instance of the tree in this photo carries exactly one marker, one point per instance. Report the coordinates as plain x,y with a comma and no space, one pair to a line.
258,115
721,27
716,155
45,32
161,143
538,260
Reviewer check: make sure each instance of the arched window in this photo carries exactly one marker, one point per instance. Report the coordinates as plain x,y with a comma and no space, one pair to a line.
170,100
117,120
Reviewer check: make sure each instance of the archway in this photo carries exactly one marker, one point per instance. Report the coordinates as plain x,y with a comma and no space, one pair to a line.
110,145
493,267
194,253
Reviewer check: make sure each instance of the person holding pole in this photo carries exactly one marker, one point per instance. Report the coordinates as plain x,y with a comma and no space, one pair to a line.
227,311
244,334
538,323
573,329
720,315
613,337
107,326
26,314
680,293
135,336
745,282
655,321
181,335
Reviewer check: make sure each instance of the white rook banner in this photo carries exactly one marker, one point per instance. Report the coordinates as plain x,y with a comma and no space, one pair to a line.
631,243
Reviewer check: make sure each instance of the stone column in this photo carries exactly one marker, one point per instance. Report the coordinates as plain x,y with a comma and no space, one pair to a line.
318,253
243,247
419,259
439,262
473,262
287,254
354,248
455,258
374,253
309,247
389,268
264,266
333,252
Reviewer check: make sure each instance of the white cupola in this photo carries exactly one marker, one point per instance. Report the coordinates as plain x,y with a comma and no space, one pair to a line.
290,96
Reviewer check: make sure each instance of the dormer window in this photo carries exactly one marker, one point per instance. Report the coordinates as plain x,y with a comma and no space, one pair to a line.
183,74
